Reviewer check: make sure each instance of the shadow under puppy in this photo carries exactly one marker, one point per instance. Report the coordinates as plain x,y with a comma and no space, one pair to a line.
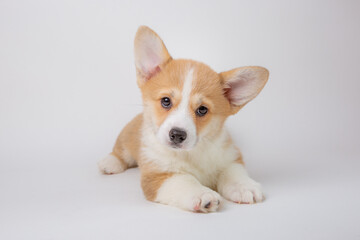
179,141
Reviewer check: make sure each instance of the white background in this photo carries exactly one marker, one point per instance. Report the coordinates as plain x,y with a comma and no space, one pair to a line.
67,87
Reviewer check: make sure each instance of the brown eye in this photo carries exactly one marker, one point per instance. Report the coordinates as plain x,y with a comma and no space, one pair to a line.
166,102
201,111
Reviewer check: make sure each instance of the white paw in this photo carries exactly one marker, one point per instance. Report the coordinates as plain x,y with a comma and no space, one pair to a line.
110,165
206,202
244,192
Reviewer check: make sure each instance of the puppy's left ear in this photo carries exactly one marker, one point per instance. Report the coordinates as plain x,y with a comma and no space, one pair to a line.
243,84
151,54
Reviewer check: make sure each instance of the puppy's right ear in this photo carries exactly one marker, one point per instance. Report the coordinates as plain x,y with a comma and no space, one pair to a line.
151,54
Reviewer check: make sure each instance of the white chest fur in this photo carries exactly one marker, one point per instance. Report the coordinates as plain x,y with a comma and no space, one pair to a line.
204,162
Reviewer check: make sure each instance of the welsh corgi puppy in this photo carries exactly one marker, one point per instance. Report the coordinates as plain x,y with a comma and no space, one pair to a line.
186,157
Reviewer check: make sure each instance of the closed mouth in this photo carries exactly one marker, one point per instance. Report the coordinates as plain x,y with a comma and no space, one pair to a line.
175,146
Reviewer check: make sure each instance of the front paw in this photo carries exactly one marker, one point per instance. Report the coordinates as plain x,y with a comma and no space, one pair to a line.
206,202
245,192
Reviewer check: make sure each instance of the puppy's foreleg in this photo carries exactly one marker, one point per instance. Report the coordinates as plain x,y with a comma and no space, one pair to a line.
180,190
235,185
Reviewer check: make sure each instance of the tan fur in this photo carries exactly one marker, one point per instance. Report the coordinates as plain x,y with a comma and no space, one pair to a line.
240,159
151,181
129,140
169,83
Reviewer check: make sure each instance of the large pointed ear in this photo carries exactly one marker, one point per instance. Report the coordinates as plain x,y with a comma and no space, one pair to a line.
150,53
243,84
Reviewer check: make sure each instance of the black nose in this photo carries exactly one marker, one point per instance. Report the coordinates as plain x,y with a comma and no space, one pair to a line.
177,135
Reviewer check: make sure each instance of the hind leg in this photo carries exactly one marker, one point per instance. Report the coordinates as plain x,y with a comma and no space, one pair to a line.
111,164
126,149
116,162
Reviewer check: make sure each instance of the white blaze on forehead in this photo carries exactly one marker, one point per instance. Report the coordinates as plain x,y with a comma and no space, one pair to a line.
187,87
181,117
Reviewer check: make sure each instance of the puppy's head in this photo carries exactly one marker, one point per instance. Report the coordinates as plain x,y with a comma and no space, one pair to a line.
186,101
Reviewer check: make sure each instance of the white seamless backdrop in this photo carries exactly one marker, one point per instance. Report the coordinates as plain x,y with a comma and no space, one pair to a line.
67,87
